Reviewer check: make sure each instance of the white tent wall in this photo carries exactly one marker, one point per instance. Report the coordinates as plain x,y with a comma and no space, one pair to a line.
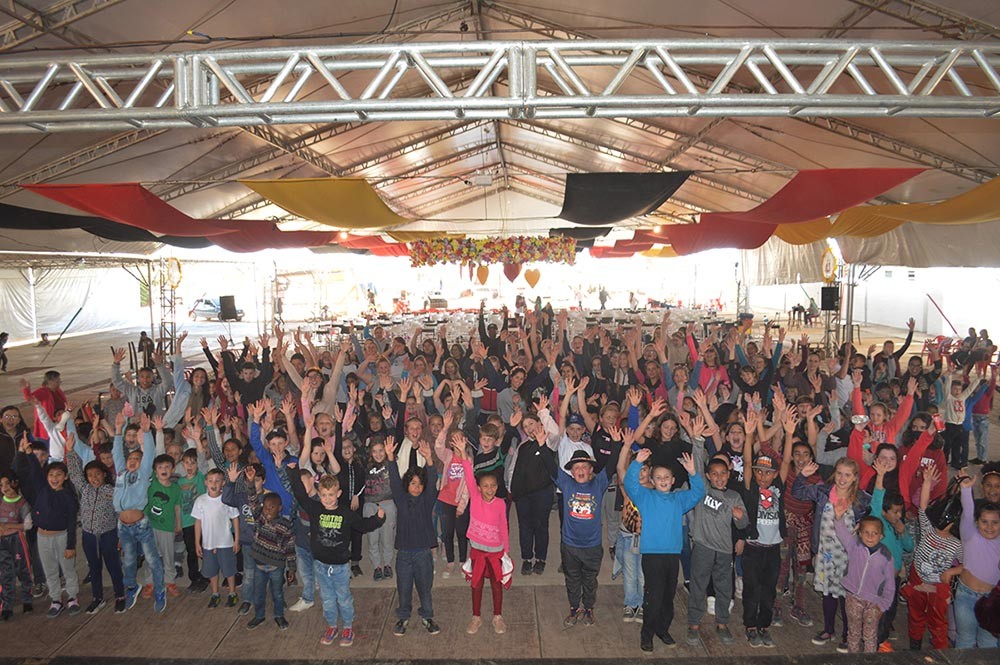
894,294
109,298
246,281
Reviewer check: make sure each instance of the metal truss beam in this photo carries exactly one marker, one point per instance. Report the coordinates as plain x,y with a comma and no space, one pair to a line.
69,163
839,126
834,78
934,18
630,157
457,200
29,23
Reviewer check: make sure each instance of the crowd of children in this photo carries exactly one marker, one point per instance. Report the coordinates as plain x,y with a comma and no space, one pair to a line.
729,466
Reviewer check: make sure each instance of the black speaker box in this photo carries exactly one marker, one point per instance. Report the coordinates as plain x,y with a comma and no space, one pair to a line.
227,307
830,298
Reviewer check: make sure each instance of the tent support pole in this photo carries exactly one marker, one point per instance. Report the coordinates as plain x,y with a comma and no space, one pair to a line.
34,306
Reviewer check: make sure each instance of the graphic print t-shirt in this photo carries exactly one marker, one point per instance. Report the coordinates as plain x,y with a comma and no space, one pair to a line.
582,509
768,515
160,504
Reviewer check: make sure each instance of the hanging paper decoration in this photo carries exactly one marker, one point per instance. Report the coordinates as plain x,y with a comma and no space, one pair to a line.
482,274
511,270
532,276
511,250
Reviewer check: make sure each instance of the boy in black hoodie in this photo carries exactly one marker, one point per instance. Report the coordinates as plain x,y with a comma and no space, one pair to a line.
414,495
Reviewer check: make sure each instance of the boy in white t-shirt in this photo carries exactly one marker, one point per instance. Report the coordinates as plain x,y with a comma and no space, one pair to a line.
216,544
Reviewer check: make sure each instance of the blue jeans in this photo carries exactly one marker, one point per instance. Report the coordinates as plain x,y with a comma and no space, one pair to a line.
102,551
263,579
981,431
132,537
631,563
414,567
304,564
335,591
249,574
970,635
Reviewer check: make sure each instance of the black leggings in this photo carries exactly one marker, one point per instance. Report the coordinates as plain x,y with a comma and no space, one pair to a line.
455,524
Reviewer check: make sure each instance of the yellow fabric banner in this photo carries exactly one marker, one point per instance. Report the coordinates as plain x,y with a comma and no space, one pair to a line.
665,252
804,233
349,203
978,205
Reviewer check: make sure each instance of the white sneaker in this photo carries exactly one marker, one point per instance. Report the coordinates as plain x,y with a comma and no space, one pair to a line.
300,606
448,569
710,605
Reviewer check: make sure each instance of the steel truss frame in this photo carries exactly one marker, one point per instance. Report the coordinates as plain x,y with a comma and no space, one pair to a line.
215,88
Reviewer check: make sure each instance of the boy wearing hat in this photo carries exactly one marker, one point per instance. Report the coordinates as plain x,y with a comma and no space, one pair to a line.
583,492
762,494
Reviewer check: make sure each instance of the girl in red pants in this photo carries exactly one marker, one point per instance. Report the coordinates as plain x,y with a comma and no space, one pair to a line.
488,541
928,590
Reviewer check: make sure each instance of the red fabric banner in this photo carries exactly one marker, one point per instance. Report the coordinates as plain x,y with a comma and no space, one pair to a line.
133,205
712,234
819,193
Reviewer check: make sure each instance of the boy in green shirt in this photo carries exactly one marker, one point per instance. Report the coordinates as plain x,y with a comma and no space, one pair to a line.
192,485
163,509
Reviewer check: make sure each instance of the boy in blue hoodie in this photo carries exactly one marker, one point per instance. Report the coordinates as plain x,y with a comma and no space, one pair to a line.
661,541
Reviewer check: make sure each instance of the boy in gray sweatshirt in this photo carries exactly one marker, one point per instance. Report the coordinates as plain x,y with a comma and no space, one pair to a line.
712,523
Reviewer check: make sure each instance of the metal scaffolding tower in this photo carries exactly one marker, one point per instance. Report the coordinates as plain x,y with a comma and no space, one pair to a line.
591,78
168,310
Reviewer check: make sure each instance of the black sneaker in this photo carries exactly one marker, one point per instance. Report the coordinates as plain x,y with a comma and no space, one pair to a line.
539,567
119,605
387,572
588,618
753,637
95,606
282,624
254,622
356,570
668,640
765,638
86,580
646,644
232,600
526,568
431,626
245,609
400,628
214,601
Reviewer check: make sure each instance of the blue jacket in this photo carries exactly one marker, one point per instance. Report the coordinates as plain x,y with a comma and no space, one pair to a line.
662,512
131,488
272,480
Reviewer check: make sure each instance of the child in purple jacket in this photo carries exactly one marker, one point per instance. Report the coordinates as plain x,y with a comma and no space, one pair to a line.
869,580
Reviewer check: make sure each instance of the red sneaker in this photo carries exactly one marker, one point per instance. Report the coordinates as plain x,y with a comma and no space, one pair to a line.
328,636
147,591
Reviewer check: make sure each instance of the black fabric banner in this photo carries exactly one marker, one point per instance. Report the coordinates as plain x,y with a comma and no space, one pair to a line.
605,198
580,234
26,219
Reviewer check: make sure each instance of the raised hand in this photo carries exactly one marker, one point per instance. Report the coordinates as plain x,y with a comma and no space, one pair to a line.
118,355
911,324
809,469
911,386
144,422
516,416
223,342
233,473
542,402
643,455
424,450
203,342
634,396
390,447
856,377
70,442
688,463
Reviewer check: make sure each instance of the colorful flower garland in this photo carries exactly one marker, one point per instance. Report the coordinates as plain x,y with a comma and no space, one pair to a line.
479,251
